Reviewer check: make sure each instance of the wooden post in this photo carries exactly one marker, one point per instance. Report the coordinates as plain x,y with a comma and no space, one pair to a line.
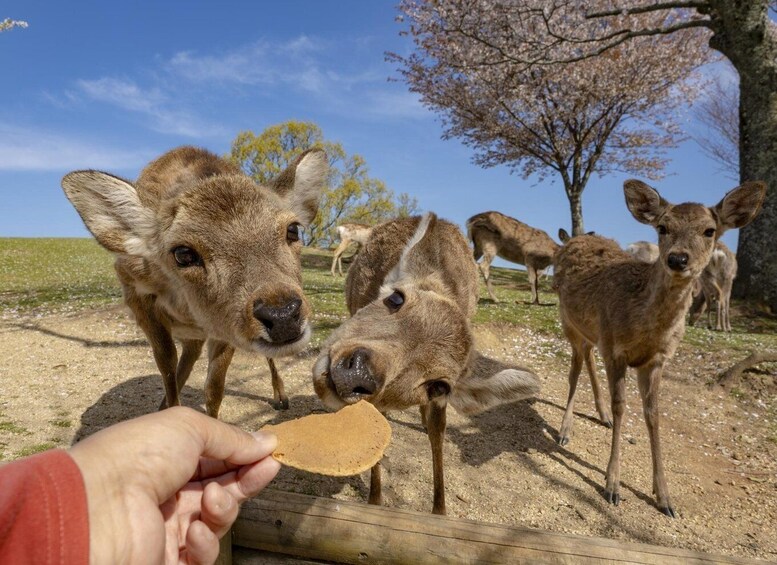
349,532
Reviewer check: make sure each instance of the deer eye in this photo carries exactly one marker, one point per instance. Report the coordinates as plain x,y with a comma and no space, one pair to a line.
709,232
187,257
292,232
662,230
394,301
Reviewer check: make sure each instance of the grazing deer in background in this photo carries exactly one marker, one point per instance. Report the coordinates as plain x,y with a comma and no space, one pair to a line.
715,286
643,251
412,292
204,254
494,234
634,312
349,233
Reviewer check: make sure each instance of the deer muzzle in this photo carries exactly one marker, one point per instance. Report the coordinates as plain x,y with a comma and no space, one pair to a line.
352,378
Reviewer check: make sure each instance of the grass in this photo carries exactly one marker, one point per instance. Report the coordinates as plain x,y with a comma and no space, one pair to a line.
37,448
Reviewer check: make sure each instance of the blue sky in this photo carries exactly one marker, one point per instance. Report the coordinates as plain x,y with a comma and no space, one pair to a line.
111,85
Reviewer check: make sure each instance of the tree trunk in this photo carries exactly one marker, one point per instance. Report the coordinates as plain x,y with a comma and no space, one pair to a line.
575,196
742,35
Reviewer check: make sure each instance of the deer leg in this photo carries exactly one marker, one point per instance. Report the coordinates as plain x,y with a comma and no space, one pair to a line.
219,358
161,341
649,380
698,306
485,268
601,405
436,419
616,378
574,373
533,283
339,251
280,400
375,488
190,353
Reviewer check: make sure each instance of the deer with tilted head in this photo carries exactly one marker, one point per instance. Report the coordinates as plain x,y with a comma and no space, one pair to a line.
495,235
633,311
349,233
204,254
412,292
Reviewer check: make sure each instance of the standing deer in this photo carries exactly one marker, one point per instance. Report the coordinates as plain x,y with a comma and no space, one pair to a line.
349,233
204,254
412,292
494,234
634,312
643,251
715,286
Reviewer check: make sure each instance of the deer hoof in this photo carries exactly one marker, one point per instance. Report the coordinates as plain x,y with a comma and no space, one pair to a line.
563,440
607,424
668,511
612,497
283,404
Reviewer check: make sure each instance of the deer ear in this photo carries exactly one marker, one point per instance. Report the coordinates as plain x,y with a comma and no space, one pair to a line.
302,183
489,383
423,236
644,202
741,205
563,235
111,210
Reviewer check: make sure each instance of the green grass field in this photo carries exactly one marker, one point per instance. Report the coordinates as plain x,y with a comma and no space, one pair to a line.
41,276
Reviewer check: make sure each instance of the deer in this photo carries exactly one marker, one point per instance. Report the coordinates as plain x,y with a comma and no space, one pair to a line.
494,234
411,294
205,255
633,312
349,233
643,251
715,286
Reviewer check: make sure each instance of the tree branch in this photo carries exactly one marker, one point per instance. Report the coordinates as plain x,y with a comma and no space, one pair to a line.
653,8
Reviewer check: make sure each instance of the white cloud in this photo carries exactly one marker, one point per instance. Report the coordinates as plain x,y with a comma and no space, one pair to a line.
30,149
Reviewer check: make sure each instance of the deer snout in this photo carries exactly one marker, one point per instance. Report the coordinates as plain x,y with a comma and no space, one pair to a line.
352,377
677,261
283,323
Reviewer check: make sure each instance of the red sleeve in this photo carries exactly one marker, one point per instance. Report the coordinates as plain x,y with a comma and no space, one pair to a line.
43,511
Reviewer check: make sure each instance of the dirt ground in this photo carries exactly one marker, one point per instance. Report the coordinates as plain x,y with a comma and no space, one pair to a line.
65,376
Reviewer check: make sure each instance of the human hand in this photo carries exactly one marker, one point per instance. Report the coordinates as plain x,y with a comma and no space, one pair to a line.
164,487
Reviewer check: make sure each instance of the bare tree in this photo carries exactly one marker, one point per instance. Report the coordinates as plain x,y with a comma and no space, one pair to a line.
718,111
476,63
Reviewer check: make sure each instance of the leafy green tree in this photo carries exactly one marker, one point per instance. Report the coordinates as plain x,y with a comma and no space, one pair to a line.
351,194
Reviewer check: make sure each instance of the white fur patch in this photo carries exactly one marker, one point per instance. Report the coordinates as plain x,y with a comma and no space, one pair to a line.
399,269
309,179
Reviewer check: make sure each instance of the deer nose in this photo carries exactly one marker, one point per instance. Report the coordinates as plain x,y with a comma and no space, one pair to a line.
352,377
677,261
282,323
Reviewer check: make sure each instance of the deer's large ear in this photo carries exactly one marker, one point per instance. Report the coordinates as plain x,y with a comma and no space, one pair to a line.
644,202
489,383
423,236
302,183
741,205
563,236
111,210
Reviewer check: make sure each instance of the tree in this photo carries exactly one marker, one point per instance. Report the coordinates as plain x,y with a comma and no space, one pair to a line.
743,33
352,195
8,23
472,64
718,111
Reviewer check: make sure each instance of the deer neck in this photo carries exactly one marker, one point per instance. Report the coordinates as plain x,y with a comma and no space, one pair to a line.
669,297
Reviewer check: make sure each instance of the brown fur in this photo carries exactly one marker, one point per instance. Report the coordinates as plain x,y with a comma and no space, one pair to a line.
349,233
422,353
494,234
634,312
191,198
715,287
643,251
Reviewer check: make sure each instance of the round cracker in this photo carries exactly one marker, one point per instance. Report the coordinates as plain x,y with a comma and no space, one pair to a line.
344,443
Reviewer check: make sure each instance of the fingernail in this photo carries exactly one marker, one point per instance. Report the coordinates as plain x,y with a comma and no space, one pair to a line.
266,438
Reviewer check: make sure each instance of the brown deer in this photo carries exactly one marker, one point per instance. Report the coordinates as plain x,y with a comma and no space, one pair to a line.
715,286
643,251
634,312
412,292
349,233
494,234
204,254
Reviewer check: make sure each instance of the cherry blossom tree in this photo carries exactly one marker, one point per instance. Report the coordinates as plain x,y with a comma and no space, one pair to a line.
8,23
509,87
718,112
